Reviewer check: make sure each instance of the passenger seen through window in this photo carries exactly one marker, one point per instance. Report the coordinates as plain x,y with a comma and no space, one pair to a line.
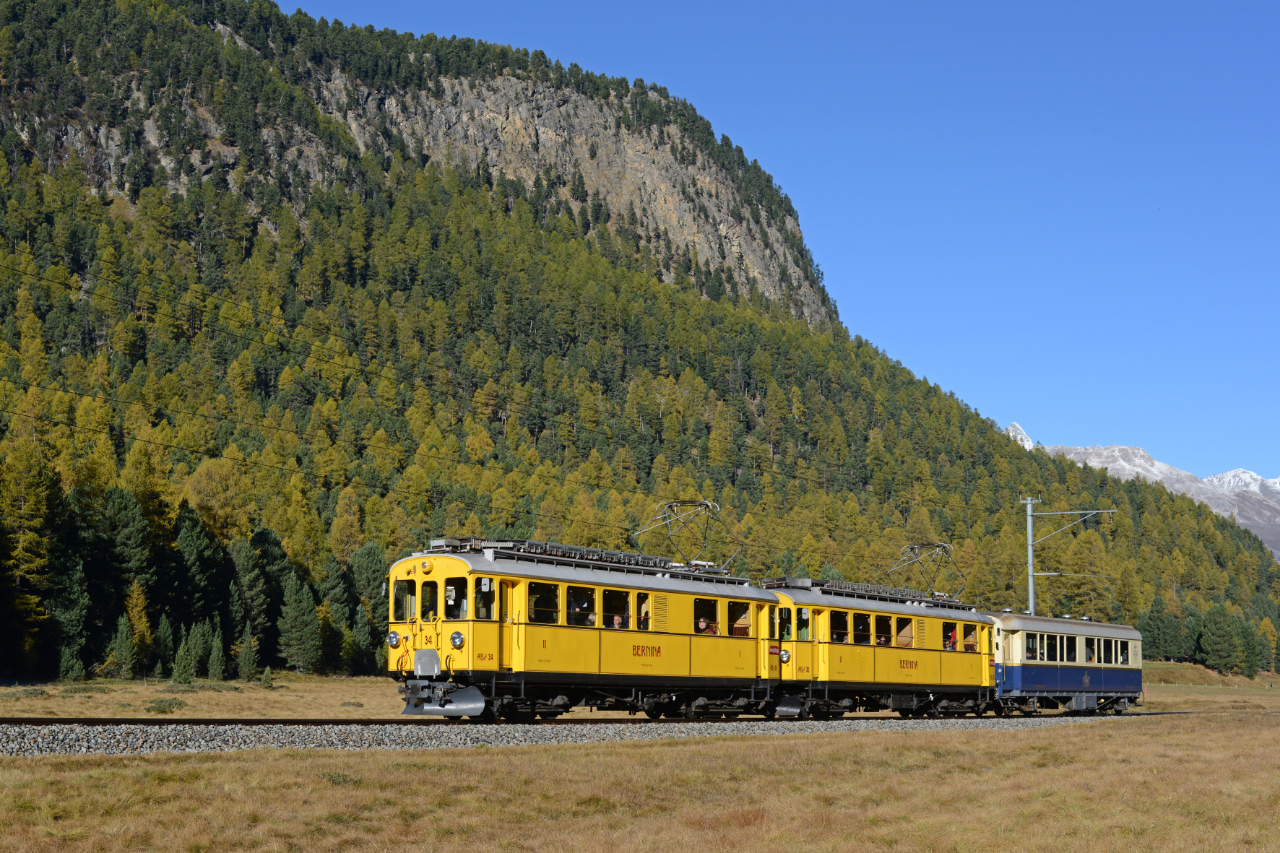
884,630
1032,646
642,611
616,612
1090,650
862,629
950,637
455,598
704,616
582,606
839,627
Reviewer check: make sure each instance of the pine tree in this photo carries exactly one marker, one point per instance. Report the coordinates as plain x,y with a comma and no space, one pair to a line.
217,659
164,643
183,671
1219,646
71,612
335,591
139,625
266,681
299,627
70,667
362,643
247,660
26,487
200,645
1248,641
120,660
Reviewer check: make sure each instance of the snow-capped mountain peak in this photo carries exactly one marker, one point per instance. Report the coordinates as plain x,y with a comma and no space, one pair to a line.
1018,434
1244,480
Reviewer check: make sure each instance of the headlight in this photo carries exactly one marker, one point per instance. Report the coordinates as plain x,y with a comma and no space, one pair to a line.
455,639
784,656
393,639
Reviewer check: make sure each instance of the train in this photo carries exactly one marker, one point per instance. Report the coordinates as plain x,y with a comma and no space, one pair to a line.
521,630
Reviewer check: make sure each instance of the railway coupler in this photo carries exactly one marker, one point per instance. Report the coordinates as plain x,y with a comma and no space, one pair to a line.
429,693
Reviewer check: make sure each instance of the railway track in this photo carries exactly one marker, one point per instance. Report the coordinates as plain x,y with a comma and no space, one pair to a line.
437,722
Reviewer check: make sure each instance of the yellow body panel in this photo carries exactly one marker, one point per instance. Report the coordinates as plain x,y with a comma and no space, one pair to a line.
963,668
722,657
850,662
550,648
643,653
907,666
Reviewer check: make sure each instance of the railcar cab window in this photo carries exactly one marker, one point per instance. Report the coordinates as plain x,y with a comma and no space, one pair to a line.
455,598
802,623
839,627
1124,652
617,615
906,632
971,638
403,601
784,623
1070,655
1033,646
642,611
739,619
582,606
484,598
544,603
950,637
862,629
884,630
430,600
773,622
1090,650
704,616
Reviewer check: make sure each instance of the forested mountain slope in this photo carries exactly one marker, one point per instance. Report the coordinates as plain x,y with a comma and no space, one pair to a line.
229,396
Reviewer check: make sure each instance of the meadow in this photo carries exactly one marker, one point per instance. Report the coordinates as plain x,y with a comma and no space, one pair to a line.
1197,781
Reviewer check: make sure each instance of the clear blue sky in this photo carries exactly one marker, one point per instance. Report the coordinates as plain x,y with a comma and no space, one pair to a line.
1067,214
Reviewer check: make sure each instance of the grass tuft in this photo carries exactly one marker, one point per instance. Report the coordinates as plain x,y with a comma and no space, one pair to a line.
340,779
165,706
26,693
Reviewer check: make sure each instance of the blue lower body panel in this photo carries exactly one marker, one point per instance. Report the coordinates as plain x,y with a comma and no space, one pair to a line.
1066,678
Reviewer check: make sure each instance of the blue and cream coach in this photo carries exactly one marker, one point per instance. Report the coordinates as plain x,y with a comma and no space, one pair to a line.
1073,664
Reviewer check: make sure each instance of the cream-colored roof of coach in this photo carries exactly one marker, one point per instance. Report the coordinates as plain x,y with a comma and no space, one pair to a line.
1078,627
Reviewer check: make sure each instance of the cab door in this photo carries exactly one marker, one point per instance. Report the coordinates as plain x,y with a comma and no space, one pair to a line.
769,667
506,629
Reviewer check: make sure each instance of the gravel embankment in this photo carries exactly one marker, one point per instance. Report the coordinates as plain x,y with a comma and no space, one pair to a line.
139,739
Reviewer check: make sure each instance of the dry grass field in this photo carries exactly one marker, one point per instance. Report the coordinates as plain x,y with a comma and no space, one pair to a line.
293,696
1204,781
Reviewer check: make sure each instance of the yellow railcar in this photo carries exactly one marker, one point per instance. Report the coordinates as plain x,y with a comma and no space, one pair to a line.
514,629
849,646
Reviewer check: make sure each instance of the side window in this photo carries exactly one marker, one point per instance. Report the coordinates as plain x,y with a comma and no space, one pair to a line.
906,632
950,637
1051,646
739,619
544,603
504,601
1106,651
802,624
617,613
839,627
862,629
1070,656
704,616
1032,646
773,622
784,623
430,600
1124,652
884,630
455,598
642,611
484,598
402,603
970,638
582,606
1090,650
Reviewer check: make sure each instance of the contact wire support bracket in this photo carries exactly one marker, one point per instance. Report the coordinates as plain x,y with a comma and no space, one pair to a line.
701,519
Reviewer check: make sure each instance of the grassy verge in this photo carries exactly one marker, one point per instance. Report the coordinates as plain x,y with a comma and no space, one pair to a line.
294,696
1163,783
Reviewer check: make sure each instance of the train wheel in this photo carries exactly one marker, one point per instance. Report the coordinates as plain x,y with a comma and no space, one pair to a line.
653,713
769,712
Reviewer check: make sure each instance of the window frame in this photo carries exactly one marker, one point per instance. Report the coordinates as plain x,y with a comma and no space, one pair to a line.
839,633
535,594
429,615
732,621
951,637
1030,649
1069,649
899,627
477,591
784,625
452,583
883,637
607,613
867,633
700,609
644,611
576,617
968,630
1122,652
404,606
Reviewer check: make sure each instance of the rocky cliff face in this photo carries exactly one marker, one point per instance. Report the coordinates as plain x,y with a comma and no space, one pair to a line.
529,130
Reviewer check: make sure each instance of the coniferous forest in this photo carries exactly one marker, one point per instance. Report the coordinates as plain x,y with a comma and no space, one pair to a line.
229,397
